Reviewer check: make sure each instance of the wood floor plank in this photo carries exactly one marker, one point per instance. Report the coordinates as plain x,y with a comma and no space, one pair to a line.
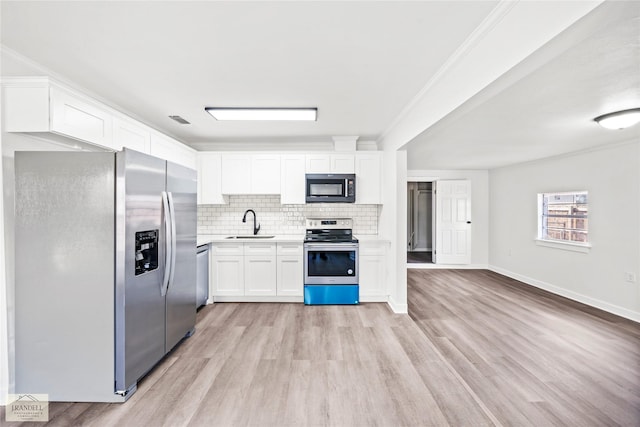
189,401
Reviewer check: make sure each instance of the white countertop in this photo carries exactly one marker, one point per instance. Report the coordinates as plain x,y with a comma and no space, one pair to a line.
204,239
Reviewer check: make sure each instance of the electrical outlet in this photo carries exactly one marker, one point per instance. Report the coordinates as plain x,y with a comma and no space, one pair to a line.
630,277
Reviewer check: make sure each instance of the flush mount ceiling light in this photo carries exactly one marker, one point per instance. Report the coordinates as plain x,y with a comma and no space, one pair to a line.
619,119
238,113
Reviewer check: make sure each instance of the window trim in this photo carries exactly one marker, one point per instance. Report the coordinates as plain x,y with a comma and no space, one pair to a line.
567,246
559,244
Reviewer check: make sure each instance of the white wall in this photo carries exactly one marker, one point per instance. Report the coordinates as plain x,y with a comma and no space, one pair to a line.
392,225
612,178
479,207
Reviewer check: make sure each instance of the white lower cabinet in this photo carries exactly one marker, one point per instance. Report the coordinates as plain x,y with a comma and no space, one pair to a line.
227,269
260,275
373,271
257,271
290,269
260,269
228,275
246,271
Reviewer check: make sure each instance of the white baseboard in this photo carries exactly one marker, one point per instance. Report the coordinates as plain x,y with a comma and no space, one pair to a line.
448,266
257,299
397,308
593,302
374,298
212,300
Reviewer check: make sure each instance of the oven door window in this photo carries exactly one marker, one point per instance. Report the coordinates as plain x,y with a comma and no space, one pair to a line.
322,263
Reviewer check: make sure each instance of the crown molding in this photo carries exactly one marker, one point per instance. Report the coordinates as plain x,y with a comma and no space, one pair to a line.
496,15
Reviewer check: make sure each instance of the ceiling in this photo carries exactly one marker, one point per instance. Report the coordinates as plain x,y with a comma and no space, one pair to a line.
545,105
361,63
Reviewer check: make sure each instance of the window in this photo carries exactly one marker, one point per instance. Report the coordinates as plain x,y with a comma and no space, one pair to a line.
563,217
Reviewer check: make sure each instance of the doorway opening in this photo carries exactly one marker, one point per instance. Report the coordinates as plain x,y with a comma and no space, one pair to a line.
420,222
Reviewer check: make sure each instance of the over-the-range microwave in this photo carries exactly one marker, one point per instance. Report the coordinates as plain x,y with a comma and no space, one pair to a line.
331,188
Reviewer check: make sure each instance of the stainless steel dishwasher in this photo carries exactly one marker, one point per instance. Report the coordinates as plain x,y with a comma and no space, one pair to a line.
202,275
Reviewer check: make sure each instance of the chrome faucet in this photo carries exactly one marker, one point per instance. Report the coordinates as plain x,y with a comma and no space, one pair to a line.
244,219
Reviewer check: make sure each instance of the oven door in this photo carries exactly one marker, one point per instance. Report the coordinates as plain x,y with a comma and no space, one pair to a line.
331,264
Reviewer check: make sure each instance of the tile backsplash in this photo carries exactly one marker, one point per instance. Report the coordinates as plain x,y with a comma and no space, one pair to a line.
275,218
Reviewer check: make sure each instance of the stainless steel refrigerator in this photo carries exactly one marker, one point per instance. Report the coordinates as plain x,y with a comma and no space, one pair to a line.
105,270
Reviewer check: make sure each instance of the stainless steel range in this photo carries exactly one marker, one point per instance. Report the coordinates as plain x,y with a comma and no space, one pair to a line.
330,262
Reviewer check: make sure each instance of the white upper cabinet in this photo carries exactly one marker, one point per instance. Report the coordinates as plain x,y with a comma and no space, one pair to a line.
284,174
342,163
292,183
318,163
236,174
330,163
250,174
265,174
210,179
40,105
37,105
169,149
80,119
131,135
369,178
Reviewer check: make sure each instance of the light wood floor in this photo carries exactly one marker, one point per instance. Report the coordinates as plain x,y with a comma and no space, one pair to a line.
530,357
484,350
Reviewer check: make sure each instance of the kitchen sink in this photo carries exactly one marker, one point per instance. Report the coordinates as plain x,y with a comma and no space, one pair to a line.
250,237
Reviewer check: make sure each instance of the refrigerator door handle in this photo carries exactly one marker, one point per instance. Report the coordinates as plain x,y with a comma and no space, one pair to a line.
168,242
174,250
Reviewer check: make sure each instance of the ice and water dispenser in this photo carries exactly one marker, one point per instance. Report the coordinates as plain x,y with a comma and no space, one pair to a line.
146,251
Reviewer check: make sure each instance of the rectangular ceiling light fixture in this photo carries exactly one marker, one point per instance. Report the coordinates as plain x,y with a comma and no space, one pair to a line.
239,113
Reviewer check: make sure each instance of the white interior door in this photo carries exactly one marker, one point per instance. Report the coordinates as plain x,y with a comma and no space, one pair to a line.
453,222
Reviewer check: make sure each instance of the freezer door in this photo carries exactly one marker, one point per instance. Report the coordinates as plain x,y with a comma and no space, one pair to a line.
181,293
140,266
